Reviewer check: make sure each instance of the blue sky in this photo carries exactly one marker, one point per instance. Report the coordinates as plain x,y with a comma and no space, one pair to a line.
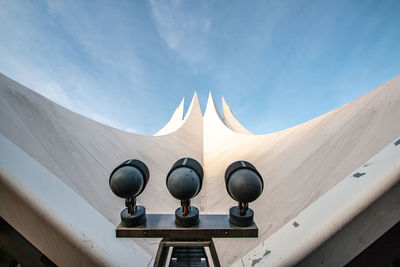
129,63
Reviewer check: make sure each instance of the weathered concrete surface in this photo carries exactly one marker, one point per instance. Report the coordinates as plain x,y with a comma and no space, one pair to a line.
81,152
55,219
372,190
299,164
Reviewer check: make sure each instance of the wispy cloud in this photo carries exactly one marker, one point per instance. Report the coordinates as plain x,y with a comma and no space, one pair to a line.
183,29
102,32
271,59
67,59
39,81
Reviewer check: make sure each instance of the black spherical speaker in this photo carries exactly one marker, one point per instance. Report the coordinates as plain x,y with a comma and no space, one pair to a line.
184,182
244,184
127,181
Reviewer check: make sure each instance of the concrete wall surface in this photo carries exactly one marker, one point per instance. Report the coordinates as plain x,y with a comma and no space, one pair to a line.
55,165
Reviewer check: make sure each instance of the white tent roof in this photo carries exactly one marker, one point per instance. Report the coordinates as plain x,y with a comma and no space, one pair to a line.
55,165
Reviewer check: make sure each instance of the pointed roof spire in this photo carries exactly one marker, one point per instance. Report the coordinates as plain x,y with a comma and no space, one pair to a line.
194,106
175,122
230,119
179,110
211,107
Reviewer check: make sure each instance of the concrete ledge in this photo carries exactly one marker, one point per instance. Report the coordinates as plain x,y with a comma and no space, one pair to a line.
330,213
56,219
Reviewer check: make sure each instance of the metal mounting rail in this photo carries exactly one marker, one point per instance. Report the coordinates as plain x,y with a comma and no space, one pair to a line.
210,226
198,236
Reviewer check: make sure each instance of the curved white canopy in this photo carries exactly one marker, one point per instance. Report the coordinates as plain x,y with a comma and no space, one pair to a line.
68,158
